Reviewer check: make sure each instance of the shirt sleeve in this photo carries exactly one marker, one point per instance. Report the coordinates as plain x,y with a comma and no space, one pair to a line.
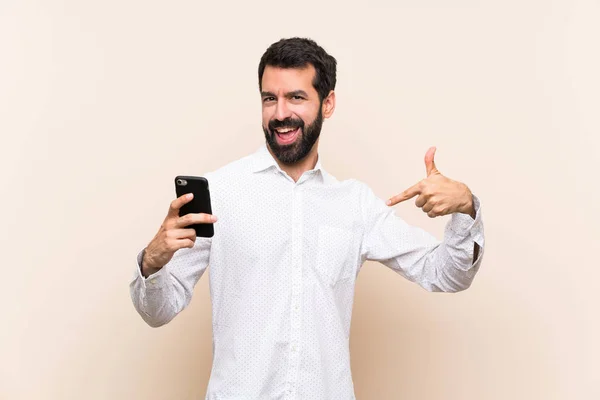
164,294
437,266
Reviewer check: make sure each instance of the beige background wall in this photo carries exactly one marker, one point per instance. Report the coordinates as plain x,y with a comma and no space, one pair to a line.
102,103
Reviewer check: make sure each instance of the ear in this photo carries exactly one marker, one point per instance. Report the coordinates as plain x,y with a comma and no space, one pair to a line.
329,105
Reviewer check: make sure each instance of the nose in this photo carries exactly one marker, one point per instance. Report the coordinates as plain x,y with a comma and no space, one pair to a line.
282,111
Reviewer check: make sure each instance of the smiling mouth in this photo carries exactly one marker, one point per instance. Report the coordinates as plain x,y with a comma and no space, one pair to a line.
286,135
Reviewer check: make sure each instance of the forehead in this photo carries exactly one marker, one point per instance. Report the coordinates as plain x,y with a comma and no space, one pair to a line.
283,80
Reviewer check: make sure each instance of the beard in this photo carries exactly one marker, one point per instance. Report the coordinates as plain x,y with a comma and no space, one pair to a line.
297,150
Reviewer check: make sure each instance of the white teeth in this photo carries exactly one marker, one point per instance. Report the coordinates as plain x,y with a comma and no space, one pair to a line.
284,130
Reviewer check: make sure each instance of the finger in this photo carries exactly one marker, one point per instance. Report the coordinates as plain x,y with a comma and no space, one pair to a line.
191,235
193,218
181,233
427,207
421,200
188,243
178,203
429,162
407,194
185,243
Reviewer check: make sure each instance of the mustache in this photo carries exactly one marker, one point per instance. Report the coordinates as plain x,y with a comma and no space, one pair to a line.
288,122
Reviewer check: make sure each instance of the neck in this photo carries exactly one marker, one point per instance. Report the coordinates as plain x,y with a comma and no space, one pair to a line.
296,169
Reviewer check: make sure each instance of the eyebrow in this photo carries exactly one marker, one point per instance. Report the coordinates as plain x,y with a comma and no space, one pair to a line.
288,95
267,94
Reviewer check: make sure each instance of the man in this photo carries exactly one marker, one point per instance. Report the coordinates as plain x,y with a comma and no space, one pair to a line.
290,241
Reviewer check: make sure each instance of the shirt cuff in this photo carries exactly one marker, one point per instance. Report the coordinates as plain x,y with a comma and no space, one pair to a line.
156,281
464,225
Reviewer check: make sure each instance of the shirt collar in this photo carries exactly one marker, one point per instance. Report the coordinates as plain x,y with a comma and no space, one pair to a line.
262,160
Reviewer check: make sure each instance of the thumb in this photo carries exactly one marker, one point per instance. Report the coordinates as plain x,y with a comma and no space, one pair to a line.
429,163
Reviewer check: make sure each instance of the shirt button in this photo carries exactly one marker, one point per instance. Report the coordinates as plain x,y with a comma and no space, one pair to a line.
296,307
294,348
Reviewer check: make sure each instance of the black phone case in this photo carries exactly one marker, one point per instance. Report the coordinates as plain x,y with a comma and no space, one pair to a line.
200,203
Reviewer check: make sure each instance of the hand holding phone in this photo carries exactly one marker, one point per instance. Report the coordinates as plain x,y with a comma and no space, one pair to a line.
198,186
178,229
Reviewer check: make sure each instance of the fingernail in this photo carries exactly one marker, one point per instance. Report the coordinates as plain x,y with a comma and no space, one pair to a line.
388,202
189,195
214,218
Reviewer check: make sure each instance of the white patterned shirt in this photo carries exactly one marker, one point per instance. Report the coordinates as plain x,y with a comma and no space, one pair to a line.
284,260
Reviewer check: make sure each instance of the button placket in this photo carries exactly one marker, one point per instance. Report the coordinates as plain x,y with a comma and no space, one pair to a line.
296,295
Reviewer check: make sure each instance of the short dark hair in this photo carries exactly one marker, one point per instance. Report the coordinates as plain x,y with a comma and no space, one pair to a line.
298,53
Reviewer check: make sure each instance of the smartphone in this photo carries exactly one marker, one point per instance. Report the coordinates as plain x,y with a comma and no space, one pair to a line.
197,185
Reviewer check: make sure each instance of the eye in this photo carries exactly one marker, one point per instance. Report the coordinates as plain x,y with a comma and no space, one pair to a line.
297,97
270,98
